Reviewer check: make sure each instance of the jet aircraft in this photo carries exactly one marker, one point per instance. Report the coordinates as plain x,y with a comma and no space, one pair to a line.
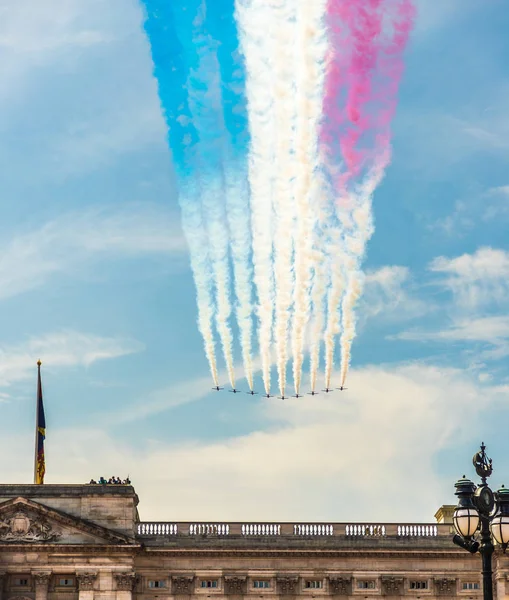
251,392
234,391
327,390
297,395
342,389
313,393
267,396
217,388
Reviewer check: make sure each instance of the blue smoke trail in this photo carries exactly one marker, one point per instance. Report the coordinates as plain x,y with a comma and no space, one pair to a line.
175,60
220,22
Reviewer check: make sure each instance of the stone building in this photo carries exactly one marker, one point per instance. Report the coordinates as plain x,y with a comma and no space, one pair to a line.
85,542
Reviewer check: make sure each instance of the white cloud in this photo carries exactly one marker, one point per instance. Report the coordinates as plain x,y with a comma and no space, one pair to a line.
28,260
498,205
476,279
33,34
317,459
388,293
61,349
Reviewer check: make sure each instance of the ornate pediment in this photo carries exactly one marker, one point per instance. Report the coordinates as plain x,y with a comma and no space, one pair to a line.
22,527
24,521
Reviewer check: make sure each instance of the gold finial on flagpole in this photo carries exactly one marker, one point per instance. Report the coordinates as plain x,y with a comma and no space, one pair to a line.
39,363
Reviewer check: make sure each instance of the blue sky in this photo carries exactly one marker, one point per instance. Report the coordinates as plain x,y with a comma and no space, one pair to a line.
95,281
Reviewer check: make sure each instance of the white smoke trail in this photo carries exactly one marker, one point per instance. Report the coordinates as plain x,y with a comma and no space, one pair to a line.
333,306
361,231
196,236
237,202
285,115
311,48
318,289
253,18
204,95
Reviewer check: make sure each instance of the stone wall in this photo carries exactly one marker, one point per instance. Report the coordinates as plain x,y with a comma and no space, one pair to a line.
110,506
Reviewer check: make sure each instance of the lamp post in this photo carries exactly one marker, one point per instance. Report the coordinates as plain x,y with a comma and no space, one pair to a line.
481,517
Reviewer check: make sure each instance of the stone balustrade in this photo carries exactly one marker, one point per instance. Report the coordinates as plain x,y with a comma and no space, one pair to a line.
267,530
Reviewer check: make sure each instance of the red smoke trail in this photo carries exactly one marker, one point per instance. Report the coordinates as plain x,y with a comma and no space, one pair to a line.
365,67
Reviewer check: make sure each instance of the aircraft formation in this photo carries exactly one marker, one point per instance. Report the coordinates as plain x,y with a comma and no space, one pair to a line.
282,397
279,127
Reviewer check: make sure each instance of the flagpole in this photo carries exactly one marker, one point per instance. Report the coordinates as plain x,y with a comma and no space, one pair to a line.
37,418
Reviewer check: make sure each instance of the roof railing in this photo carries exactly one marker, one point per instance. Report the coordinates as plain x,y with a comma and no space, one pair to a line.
268,530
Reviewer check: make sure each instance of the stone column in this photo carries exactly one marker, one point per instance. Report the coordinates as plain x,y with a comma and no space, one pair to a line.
2,583
41,585
125,584
500,586
86,583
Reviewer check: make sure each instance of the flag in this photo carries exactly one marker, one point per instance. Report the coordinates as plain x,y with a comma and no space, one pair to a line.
40,433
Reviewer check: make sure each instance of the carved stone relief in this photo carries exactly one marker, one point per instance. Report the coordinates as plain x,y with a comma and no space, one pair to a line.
22,528
235,585
392,586
86,581
445,587
181,585
340,586
288,585
125,581
41,579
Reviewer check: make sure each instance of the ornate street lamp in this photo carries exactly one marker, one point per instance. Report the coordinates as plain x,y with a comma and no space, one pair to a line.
480,515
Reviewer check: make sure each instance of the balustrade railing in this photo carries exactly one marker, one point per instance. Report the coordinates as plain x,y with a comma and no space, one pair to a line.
261,529
313,529
346,530
418,530
365,530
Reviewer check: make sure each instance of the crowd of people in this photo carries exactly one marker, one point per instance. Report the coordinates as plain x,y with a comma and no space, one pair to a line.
111,480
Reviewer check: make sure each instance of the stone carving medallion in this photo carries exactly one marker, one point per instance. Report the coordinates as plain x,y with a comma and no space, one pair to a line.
22,528
392,586
340,586
445,587
125,581
288,585
86,581
235,585
181,585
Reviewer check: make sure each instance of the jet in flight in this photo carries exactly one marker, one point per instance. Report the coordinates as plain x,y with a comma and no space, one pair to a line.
217,388
313,393
341,389
283,397
251,392
234,391
297,395
267,396
327,390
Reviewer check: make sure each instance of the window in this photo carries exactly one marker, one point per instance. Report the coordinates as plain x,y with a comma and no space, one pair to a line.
366,584
471,585
209,583
313,584
21,581
418,585
261,584
66,582
156,583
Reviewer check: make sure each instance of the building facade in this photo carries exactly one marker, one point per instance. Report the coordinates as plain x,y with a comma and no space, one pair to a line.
86,542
